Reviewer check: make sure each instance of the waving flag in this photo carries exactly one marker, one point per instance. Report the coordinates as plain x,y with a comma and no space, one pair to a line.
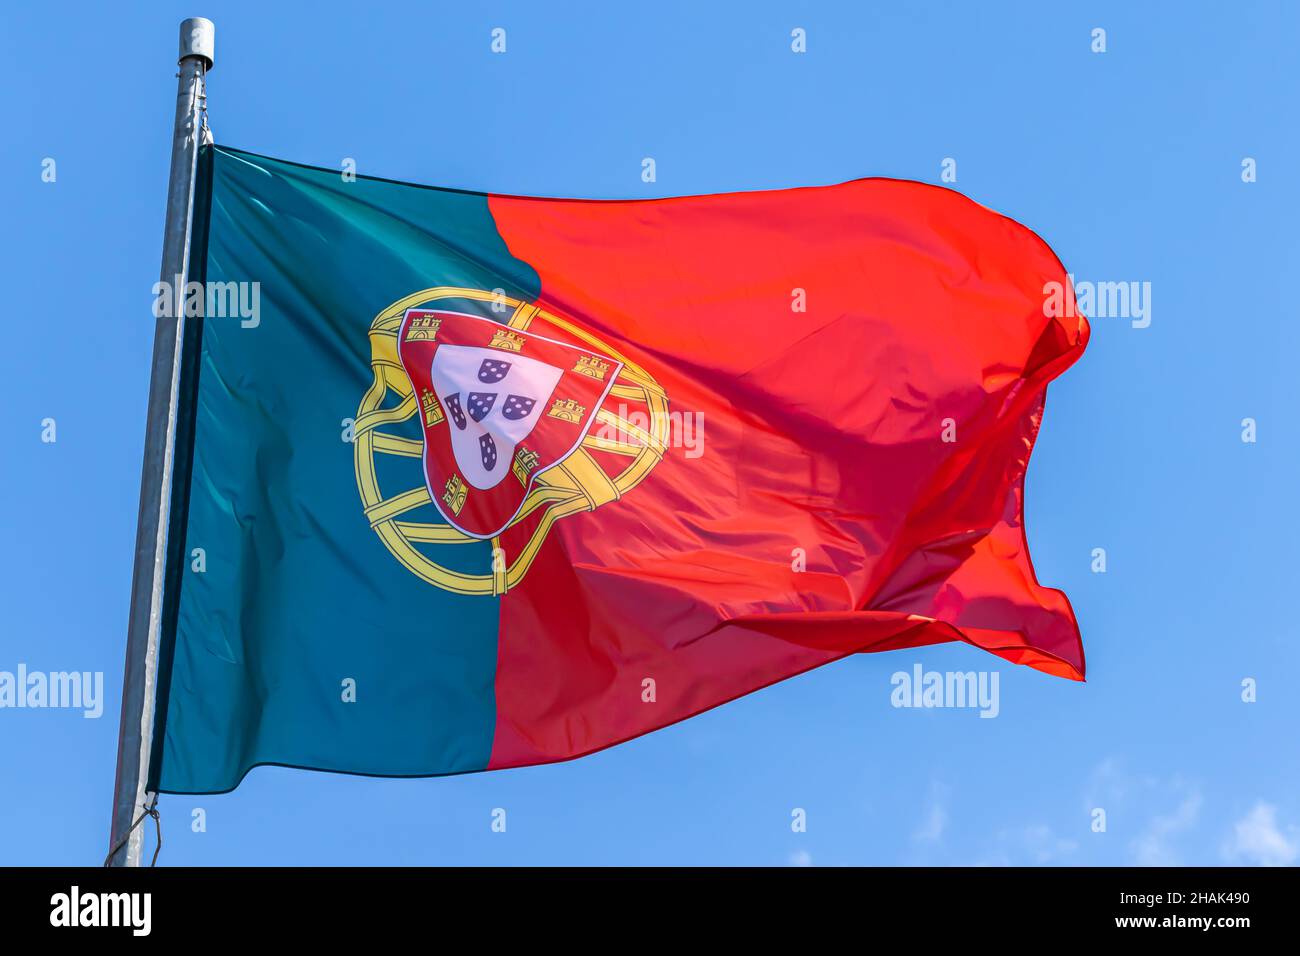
485,481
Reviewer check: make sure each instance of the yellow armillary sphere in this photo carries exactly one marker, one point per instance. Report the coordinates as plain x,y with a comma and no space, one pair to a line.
629,435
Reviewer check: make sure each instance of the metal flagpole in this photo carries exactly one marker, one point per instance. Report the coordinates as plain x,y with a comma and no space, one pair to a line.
135,737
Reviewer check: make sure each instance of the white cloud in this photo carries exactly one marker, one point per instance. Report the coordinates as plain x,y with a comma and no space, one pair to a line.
1257,838
1136,801
1110,785
1034,845
935,819
1154,846
1044,846
801,858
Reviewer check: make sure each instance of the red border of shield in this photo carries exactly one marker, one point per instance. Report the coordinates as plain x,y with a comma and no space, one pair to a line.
556,436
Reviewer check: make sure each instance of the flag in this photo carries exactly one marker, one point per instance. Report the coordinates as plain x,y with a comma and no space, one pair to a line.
467,481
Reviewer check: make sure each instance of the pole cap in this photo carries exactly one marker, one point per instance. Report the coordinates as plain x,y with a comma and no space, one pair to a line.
198,38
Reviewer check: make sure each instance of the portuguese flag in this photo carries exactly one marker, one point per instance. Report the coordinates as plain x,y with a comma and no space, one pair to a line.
473,481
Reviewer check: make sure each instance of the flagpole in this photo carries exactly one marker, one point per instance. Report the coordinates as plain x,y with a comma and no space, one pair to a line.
135,736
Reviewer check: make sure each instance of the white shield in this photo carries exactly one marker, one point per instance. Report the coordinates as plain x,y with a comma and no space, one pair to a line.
492,400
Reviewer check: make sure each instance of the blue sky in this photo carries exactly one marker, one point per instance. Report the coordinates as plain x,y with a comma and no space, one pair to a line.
1128,162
